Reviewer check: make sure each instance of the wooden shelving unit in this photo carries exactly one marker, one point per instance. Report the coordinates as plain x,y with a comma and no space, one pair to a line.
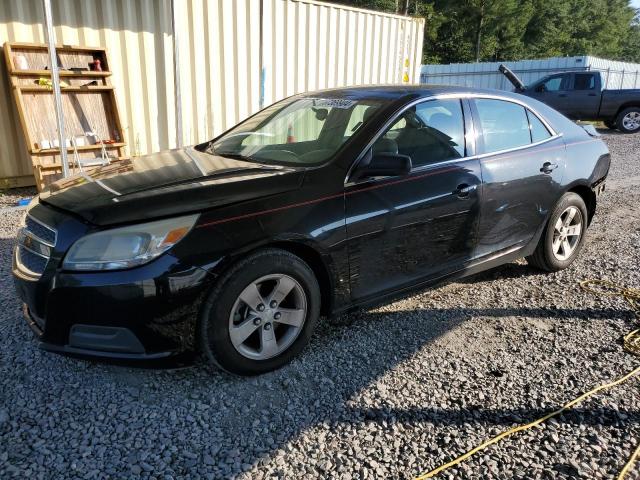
88,101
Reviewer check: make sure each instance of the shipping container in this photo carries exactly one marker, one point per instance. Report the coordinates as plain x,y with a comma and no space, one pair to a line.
233,56
486,75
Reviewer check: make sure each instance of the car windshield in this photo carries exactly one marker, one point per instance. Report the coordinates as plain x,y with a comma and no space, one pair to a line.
299,132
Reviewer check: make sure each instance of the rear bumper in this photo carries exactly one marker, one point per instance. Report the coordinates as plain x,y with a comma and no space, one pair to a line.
145,313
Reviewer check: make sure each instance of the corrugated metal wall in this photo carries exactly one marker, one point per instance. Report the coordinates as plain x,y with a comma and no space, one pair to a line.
486,74
137,35
617,75
306,46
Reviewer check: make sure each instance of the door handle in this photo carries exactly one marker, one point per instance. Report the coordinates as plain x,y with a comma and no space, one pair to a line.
463,190
593,94
562,95
548,167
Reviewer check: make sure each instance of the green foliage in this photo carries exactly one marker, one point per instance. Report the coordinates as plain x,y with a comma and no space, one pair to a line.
496,30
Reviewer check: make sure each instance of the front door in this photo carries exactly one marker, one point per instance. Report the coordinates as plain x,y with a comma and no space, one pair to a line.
401,230
522,167
554,91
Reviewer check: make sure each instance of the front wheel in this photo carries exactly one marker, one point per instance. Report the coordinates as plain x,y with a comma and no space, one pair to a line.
563,236
628,120
260,314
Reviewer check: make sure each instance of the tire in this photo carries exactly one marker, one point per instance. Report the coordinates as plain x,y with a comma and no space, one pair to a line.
551,253
628,120
270,343
610,124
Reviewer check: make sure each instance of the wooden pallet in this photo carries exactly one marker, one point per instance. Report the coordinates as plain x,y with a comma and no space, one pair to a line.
88,102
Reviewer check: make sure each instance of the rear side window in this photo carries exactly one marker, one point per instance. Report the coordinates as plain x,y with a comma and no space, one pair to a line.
584,81
504,124
538,131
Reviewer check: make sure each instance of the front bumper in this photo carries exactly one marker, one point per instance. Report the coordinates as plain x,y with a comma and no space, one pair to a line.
144,313
93,341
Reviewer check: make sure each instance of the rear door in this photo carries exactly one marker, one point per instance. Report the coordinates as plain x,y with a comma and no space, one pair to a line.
401,230
584,100
522,163
554,91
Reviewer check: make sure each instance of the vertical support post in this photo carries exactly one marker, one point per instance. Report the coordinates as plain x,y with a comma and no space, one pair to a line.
263,72
55,80
176,73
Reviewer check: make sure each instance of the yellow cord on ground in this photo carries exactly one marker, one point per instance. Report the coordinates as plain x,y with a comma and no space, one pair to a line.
631,343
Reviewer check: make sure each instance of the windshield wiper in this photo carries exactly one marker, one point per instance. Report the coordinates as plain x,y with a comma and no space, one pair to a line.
246,158
235,156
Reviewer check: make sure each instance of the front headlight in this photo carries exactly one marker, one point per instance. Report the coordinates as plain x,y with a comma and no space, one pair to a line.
127,247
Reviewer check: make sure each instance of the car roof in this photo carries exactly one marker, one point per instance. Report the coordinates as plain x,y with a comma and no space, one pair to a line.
398,92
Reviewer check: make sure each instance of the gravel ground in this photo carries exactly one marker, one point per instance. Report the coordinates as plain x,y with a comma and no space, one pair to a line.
387,393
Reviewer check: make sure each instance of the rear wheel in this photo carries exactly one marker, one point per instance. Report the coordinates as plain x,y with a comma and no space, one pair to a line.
628,120
563,236
261,313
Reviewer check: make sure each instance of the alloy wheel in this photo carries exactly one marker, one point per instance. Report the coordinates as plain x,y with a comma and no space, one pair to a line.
631,121
566,233
267,316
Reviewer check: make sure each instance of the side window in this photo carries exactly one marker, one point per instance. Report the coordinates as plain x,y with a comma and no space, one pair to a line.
554,84
430,132
395,129
584,81
360,114
504,124
538,131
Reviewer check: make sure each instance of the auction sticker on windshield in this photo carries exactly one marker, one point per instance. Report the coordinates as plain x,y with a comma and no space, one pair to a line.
333,102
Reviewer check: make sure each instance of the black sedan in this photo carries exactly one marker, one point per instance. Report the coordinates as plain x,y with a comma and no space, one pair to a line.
319,204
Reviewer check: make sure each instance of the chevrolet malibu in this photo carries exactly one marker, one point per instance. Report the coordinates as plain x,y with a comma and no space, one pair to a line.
317,205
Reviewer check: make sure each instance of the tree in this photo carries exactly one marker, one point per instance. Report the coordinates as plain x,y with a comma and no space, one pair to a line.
497,30
631,45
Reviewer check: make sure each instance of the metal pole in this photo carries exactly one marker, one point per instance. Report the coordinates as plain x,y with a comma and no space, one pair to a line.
261,61
176,72
55,79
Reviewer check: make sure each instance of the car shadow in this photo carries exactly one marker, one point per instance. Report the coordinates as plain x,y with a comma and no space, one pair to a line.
503,272
232,423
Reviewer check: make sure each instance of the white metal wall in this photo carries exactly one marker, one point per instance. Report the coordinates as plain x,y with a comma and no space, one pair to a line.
486,74
307,45
617,75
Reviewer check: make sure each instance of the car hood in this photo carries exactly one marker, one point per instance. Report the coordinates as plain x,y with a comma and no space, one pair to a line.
168,183
512,77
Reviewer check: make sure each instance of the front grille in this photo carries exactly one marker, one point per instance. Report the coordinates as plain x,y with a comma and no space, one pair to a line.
35,242
40,230
30,261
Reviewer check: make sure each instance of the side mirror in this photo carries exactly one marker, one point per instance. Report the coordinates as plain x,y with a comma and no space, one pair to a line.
383,165
541,88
